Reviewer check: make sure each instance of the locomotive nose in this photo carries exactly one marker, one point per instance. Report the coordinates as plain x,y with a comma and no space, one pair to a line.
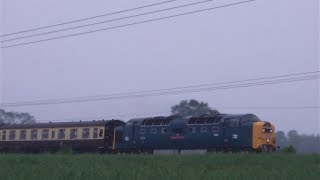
263,136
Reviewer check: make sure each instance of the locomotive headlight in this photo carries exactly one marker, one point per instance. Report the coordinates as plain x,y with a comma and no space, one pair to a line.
263,130
268,140
270,130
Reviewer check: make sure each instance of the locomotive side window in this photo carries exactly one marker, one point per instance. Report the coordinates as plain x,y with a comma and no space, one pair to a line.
61,134
23,134
142,131
85,133
95,133
203,129
45,134
233,122
164,130
153,131
101,133
192,130
34,134
73,133
12,135
4,135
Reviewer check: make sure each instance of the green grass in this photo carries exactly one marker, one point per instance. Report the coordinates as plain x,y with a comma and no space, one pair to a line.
140,167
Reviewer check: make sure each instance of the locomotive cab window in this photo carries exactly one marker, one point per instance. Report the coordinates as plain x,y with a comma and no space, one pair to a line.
45,134
4,135
23,134
34,134
12,135
85,133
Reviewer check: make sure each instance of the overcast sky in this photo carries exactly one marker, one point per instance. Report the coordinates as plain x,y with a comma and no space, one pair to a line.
257,39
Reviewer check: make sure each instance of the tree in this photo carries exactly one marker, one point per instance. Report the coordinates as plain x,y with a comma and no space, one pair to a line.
15,117
294,142
192,108
281,139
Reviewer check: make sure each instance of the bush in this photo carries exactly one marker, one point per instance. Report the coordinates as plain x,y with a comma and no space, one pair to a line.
289,149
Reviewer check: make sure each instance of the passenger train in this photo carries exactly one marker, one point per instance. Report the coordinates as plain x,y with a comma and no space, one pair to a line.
223,132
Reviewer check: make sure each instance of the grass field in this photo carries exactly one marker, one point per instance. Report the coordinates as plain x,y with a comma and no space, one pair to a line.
141,167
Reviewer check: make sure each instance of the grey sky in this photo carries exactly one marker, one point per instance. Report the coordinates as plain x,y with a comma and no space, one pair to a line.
262,38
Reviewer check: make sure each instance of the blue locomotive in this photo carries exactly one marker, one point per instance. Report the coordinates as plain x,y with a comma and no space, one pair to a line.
212,133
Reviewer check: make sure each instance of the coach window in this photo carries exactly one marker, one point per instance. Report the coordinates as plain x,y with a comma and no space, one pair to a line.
34,134
4,135
61,133
153,131
95,133
23,134
45,134
164,130
203,129
73,133
12,135
85,133
101,133
192,130
142,131
53,134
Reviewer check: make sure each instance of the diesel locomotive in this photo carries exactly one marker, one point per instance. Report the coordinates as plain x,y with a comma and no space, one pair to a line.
223,132
212,133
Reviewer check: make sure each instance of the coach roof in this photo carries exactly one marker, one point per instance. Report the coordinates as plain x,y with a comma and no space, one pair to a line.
57,124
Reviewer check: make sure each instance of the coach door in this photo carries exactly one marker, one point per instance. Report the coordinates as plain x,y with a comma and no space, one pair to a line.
231,133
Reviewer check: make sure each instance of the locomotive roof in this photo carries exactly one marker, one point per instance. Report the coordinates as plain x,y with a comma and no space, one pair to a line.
56,124
159,120
204,119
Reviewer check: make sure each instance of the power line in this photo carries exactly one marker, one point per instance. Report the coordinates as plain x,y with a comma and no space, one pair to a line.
183,91
129,24
166,113
107,21
180,87
272,107
88,18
